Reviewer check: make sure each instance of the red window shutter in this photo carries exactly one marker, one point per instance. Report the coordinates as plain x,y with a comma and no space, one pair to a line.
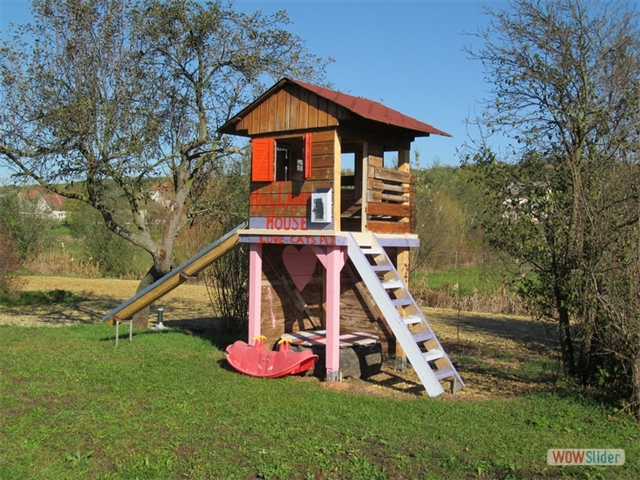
262,159
307,155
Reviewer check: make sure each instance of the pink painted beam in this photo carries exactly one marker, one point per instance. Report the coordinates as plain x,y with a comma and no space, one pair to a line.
333,261
255,290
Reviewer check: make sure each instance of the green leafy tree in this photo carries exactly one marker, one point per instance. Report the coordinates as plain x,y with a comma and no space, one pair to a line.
447,215
564,196
102,95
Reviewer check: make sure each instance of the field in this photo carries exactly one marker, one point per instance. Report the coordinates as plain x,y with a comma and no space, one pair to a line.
166,406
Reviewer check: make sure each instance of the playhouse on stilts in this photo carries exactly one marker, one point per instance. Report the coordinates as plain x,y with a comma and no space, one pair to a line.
329,245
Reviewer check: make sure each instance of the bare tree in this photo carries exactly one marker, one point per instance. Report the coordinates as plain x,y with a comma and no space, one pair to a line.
564,196
99,97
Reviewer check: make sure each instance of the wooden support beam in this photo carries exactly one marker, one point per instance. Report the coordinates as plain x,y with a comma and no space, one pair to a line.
337,179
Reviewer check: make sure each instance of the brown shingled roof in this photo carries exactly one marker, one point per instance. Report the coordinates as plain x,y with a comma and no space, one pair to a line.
371,110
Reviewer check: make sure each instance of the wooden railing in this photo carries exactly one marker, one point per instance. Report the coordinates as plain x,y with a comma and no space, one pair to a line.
390,203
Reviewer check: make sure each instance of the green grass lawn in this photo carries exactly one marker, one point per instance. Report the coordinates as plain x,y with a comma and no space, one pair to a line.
165,406
469,278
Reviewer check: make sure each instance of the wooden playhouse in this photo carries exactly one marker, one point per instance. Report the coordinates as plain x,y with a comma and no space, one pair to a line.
331,223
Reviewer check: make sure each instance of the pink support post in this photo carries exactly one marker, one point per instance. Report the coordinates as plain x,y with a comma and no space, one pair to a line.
335,260
255,290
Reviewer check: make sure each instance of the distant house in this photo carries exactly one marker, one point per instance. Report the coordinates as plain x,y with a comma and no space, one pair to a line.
45,203
160,193
519,200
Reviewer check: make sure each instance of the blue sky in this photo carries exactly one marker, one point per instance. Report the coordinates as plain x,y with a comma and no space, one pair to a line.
405,54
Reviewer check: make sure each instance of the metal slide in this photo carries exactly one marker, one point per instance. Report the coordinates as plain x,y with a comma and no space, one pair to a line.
175,277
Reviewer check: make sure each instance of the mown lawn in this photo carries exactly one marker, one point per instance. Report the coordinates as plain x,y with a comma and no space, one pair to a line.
165,406
467,278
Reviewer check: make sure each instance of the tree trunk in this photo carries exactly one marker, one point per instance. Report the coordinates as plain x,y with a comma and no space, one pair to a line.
566,345
635,394
157,271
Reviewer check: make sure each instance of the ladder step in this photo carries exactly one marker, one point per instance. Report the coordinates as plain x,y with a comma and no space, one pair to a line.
445,373
401,302
412,319
433,354
393,284
382,268
422,336
372,250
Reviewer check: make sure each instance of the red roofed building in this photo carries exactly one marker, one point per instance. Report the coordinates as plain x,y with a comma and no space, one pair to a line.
45,203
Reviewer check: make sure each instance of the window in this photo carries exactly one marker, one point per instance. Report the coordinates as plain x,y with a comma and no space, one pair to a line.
281,159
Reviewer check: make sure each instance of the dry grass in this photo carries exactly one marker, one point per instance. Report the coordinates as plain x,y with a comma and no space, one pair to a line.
61,263
500,301
101,296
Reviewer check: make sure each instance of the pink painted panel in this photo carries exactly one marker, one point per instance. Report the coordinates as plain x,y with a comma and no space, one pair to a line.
321,252
301,264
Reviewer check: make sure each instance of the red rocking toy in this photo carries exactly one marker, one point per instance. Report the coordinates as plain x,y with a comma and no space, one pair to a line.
257,361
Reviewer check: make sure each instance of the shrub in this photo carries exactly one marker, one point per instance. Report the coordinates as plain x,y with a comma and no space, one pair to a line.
227,282
10,285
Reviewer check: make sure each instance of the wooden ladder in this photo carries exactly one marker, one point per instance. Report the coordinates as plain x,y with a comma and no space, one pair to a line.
404,316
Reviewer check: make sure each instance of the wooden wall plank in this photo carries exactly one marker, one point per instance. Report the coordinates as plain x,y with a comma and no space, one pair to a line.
303,117
390,209
272,105
323,173
261,118
323,136
374,196
278,199
388,227
392,175
294,114
281,111
322,147
323,119
388,187
279,211
277,188
322,161
312,114
332,111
